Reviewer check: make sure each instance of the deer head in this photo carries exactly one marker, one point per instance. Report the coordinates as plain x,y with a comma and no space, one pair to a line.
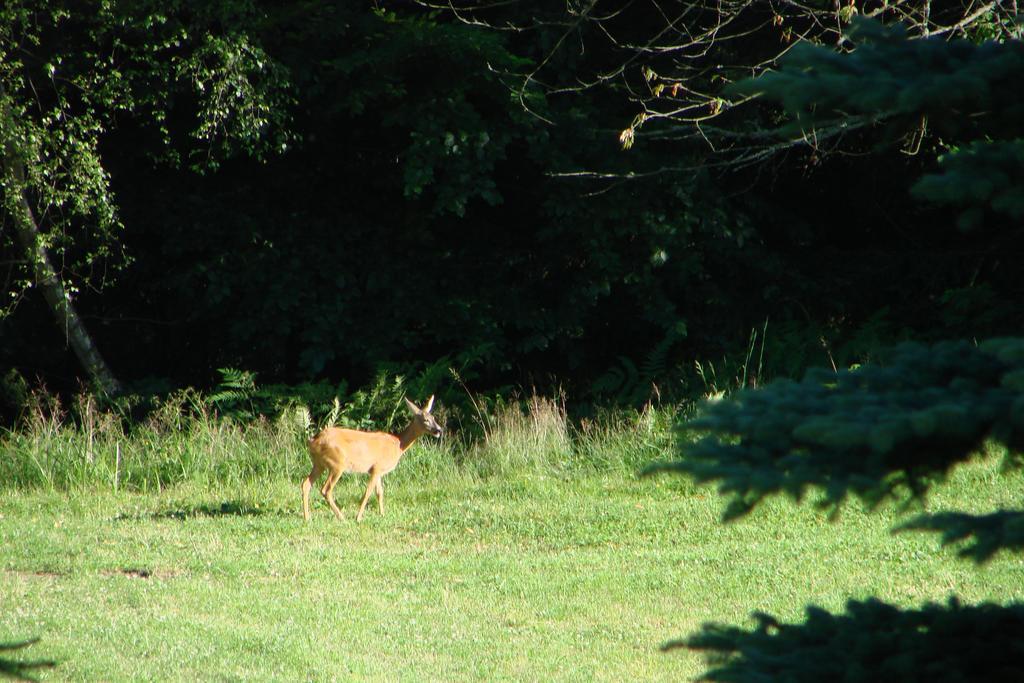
423,420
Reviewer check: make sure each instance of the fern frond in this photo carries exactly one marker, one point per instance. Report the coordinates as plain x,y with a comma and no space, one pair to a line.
233,378
226,396
304,419
332,417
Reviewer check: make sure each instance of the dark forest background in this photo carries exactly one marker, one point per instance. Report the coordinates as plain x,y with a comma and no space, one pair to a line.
458,184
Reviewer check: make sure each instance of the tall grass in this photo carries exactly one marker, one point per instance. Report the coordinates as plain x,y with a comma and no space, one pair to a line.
57,447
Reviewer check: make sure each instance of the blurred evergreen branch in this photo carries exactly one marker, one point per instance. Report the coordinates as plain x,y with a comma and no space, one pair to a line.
875,431
871,641
982,175
959,85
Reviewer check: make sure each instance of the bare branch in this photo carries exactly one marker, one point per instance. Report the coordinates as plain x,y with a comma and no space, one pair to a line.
672,58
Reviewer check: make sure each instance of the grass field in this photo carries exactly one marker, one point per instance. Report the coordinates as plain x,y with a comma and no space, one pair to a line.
507,578
175,550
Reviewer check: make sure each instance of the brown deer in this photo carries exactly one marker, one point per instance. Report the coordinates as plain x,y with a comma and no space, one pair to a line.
337,451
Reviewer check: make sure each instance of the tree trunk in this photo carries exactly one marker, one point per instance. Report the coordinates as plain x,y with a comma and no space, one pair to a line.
27,231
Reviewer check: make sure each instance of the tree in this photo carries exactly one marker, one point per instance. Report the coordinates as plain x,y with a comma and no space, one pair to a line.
414,168
31,239
674,59
884,430
69,72
670,64
427,151
897,426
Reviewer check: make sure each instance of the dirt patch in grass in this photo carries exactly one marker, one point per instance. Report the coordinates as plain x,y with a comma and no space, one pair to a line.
141,573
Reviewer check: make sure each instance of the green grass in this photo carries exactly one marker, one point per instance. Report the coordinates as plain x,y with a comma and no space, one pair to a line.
182,441
530,577
530,553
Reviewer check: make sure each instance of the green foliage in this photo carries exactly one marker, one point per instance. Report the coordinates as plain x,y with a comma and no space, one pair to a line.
974,308
448,141
629,384
401,198
876,431
246,433
234,393
982,175
14,391
900,424
793,346
377,406
72,72
626,441
535,439
179,440
238,396
396,203
732,373
958,85
962,89
242,97
871,641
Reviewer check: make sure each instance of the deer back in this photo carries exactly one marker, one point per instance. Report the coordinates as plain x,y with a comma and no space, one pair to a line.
349,450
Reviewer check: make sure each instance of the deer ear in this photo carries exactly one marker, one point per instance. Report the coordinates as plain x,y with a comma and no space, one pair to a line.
412,407
430,404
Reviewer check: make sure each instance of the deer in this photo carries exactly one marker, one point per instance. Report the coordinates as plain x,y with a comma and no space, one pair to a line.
336,451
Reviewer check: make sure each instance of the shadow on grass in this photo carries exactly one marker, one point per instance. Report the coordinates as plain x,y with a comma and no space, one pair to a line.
20,670
984,535
231,508
871,641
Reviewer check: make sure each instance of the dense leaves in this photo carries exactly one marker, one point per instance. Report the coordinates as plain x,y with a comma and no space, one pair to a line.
318,190
960,89
71,71
407,213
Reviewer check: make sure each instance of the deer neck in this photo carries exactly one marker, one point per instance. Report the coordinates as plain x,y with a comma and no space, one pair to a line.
408,436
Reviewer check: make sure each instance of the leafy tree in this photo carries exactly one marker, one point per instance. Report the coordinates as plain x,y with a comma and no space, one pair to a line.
415,215
395,150
827,291
961,89
69,72
894,427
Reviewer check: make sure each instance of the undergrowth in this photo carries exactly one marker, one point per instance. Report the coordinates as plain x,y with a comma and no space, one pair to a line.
185,439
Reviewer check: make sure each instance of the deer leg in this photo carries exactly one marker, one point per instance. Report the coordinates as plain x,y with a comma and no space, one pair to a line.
370,488
380,495
328,491
307,484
